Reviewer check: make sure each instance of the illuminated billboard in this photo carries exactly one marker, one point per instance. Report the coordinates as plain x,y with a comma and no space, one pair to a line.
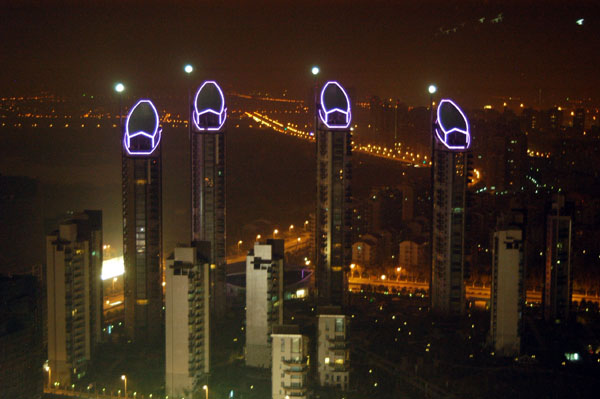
335,106
209,107
451,126
142,133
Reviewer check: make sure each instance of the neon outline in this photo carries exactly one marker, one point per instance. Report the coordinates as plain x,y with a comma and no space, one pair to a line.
439,126
324,114
222,113
157,132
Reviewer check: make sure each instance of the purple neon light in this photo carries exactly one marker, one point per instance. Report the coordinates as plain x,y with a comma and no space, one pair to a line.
153,137
221,113
443,132
324,113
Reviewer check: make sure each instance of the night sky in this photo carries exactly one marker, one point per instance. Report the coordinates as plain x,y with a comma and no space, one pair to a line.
376,47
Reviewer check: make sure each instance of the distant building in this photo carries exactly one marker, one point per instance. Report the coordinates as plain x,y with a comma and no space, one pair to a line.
558,284
187,327
412,255
334,197
507,294
391,206
579,120
364,253
21,356
289,368
333,351
264,300
74,289
142,224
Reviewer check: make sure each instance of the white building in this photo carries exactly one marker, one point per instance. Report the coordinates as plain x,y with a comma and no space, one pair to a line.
411,255
187,321
74,289
290,363
264,300
507,292
333,353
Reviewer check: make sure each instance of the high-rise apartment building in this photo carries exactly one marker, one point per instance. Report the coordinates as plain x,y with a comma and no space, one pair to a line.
74,289
452,139
187,326
289,368
142,224
334,211
264,300
333,351
207,140
558,284
507,294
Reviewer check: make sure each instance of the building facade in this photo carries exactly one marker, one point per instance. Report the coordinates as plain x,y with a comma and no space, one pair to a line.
74,289
142,224
264,300
207,141
334,211
289,370
558,283
333,351
187,326
507,294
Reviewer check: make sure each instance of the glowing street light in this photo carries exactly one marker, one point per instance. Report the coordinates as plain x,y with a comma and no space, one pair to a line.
258,237
205,387
291,227
119,87
124,378
188,68
275,232
315,70
432,89
49,371
239,244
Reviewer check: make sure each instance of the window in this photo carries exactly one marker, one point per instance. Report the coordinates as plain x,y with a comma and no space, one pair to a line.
339,324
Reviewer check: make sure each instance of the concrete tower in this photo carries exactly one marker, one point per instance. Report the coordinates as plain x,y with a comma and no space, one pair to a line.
334,212
74,265
142,223
452,139
207,140
264,300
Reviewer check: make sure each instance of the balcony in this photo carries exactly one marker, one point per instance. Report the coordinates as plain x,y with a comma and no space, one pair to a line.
296,361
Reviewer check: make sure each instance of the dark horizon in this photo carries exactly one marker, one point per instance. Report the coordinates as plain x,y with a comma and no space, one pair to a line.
474,51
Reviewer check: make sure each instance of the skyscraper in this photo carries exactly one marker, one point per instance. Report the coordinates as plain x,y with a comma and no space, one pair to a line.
264,300
74,266
334,211
142,223
452,139
558,284
187,326
507,297
207,140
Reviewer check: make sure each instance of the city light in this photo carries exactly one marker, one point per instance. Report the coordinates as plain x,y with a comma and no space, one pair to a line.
119,87
143,113
112,268
315,70
188,69
451,127
209,100
335,106
432,89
